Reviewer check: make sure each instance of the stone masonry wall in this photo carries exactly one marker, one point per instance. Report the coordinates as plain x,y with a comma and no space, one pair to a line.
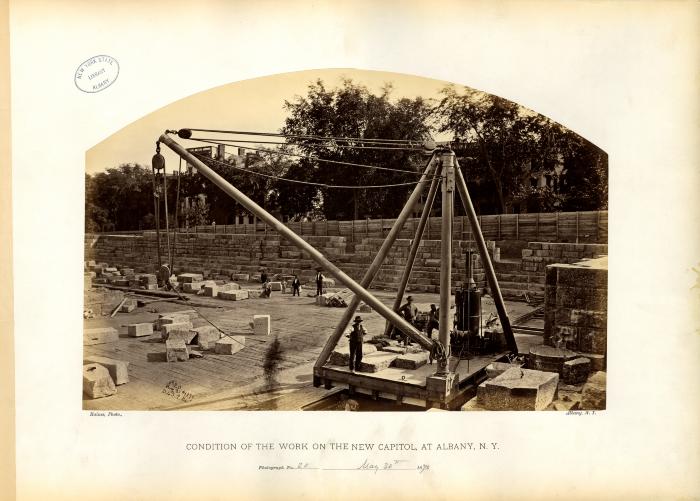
576,297
538,255
225,254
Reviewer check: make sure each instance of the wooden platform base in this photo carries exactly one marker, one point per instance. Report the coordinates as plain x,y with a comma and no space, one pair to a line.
409,386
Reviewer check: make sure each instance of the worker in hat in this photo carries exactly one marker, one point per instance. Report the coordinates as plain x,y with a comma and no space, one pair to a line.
433,320
409,311
357,337
319,282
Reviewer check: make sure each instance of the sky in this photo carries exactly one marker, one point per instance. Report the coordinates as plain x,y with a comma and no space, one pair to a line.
249,105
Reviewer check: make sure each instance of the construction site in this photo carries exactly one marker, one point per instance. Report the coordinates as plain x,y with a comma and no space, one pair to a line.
426,313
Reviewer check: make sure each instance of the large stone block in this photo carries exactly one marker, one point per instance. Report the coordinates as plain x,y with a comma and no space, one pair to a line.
176,350
234,295
495,369
576,371
411,361
100,335
229,345
148,279
128,306
168,329
597,361
206,336
276,286
377,361
211,290
171,318
185,278
341,354
193,287
242,277
549,358
140,330
261,325
254,293
118,369
594,392
520,389
230,286
97,382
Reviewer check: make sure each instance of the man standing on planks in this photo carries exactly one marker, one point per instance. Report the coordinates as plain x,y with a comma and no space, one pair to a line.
409,311
319,282
357,337
296,285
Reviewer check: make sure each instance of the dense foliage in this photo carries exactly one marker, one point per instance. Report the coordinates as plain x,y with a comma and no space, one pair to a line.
513,160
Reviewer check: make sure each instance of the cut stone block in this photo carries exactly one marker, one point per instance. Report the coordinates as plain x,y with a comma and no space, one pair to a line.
549,359
243,277
234,295
328,282
276,286
229,345
364,308
375,362
341,354
171,318
168,329
206,336
211,290
100,335
229,286
411,360
597,361
520,389
254,294
148,279
594,392
127,271
576,371
185,278
186,335
118,369
111,269
139,330
176,350
472,405
192,287
497,368
261,325
128,306
97,382
323,299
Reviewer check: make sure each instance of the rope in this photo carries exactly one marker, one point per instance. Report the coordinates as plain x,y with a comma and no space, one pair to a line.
296,143
323,185
307,136
309,157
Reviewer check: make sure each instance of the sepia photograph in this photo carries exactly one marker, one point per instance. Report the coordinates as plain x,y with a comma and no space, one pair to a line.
345,240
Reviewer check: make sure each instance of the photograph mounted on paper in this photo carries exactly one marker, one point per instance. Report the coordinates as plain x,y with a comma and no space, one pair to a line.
345,240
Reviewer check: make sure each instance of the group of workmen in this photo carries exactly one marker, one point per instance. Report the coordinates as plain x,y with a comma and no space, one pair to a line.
296,284
409,311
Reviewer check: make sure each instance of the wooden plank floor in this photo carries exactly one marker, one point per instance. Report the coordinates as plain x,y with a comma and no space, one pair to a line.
301,326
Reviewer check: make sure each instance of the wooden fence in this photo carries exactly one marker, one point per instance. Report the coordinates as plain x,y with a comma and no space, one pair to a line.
591,227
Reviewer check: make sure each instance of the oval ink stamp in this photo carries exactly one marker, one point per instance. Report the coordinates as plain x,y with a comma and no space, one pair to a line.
96,74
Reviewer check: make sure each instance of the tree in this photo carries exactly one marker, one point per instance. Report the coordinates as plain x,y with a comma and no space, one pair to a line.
118,197
509,143
584,182
508,146
352,111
